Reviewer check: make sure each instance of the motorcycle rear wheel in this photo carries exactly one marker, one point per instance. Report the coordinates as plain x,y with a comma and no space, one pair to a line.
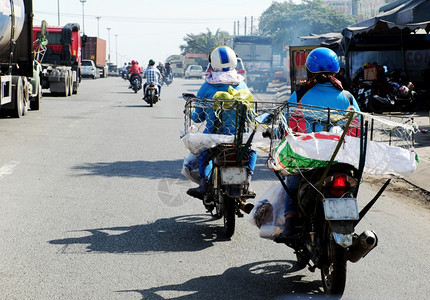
229,216
333,274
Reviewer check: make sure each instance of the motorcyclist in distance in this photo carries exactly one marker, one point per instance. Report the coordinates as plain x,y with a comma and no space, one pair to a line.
161,68
135,69
324,90
152,74
168,69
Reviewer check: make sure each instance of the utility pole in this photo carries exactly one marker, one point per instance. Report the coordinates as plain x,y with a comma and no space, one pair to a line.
116,49
234,29
108,29
83,15
252,23
238,28
58,7
245,27
98,31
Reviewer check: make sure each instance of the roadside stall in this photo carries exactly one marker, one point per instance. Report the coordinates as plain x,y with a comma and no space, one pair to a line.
396,38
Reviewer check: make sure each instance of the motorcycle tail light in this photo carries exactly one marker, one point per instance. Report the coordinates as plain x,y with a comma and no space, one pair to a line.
339,185
241,71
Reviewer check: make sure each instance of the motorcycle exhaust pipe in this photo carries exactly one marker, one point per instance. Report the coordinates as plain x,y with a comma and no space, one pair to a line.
361,245
246,207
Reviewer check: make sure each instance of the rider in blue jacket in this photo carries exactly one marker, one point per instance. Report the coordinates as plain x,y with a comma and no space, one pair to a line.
324,90
223,75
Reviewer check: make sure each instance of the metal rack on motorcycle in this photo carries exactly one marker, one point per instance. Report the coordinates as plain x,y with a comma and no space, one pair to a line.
303,136
209,122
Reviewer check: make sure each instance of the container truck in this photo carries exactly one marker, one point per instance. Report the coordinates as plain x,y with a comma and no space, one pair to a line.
95,50
19,72
59,52
256,53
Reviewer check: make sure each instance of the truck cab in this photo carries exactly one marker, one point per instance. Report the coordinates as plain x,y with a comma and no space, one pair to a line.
61,57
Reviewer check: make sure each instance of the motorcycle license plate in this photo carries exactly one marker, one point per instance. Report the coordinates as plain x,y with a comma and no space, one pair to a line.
340,209
233,175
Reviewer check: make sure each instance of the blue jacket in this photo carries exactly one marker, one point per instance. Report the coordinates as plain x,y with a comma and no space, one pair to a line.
326,95
207,114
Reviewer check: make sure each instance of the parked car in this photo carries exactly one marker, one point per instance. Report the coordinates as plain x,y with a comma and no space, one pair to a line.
89,69
193,71
240,68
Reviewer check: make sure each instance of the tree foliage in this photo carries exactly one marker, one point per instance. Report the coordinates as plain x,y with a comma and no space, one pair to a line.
286,21
203,42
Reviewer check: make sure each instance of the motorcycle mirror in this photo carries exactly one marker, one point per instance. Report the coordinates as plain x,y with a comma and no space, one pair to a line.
265,118
188,96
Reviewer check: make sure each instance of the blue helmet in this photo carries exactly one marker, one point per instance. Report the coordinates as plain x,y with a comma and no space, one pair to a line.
322,60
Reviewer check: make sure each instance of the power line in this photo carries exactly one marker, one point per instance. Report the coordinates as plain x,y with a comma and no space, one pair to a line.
145,19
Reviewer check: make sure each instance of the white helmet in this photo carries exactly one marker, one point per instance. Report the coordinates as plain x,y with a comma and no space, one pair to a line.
223,58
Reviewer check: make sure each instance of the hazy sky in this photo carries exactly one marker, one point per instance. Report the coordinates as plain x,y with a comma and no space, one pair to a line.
149,29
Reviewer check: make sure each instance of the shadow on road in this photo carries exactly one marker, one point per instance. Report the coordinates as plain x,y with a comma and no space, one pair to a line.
273,279
155,169
178,234
139,169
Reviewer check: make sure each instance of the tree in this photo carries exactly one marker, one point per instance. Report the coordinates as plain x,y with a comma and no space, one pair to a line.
285,22
202,42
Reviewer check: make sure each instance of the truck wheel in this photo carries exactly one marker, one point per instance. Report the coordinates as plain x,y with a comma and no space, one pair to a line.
75,85
26,95
35,102
65,92
17,97
70,84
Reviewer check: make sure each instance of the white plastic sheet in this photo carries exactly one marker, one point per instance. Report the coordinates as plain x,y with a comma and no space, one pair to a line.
305,151
196,143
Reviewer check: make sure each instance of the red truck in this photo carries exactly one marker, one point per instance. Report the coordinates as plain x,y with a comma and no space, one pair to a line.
59,52
95,50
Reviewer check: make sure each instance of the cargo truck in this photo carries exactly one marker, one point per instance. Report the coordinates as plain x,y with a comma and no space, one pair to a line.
256,53
59,52
95,50
19,73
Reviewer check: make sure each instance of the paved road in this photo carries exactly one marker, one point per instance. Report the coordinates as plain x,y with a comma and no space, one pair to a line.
93,206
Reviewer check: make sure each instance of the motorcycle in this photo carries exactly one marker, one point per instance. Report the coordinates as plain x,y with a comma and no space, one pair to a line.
161,79
168,79
151,93
124,75
393,93
399,94
228,190
136,82
322,234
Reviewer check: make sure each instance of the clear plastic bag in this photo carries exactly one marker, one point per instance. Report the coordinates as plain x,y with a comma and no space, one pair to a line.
268,213
190,167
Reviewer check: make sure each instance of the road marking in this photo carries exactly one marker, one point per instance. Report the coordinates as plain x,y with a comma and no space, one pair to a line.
8,168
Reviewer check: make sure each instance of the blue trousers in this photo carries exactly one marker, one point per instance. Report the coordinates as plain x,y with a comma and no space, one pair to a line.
292,182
